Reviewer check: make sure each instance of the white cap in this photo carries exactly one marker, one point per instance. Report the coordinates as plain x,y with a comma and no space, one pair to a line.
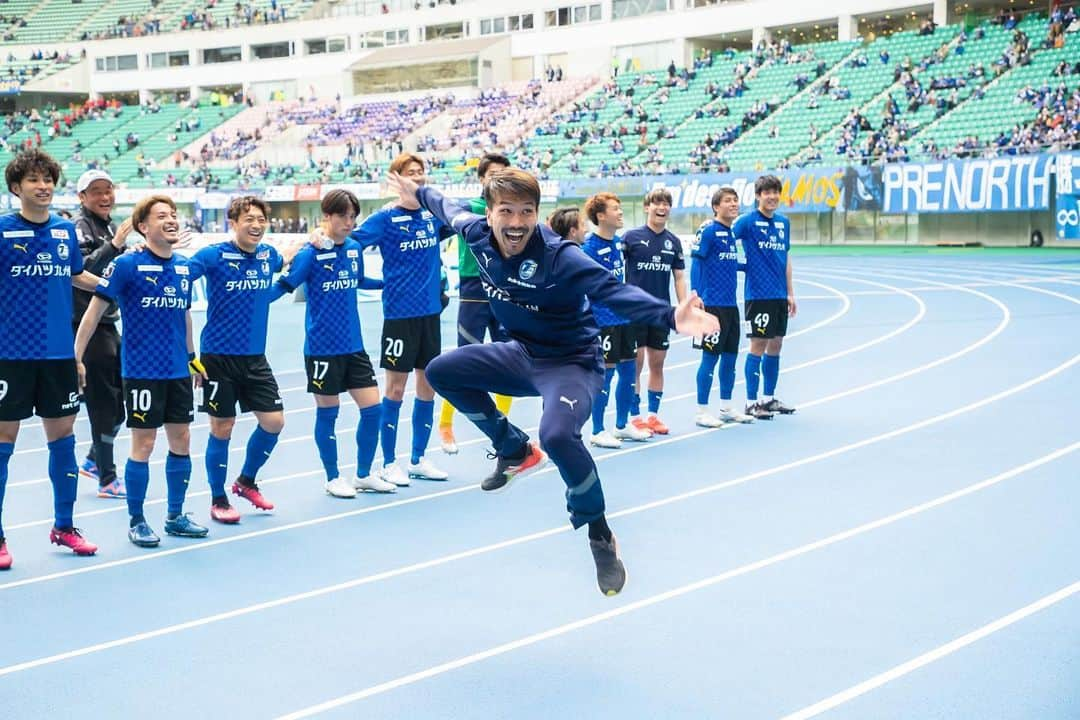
89,177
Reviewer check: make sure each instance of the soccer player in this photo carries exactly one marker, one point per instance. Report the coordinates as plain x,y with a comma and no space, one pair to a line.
653,255
332,269
769,293
239,290
617,336
540,287
101,241
714,276
474,312
39,262
153,289
408,237
569,224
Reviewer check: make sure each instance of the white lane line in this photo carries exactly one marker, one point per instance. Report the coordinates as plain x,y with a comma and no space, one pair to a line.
546,533
674,593
934,655
239,447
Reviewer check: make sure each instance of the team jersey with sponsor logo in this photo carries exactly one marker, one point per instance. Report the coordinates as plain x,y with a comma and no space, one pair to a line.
332,277
765,243
715,272
409,243
650,260
609,254
154,295
541,296
239,290
37,261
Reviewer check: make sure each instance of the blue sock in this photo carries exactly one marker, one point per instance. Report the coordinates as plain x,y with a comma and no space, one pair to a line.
423,415
259,447
177,477
635,403
727,375
325,440
136,480
704,377
217,464
391,410
770,370
6,450
654,400
624,393
64,473
600,402
367,439
753,376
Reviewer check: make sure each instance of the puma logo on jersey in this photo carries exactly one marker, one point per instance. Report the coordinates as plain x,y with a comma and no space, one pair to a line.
318,383
568,401
392,360
152,280
328,267
141,417
213,406
17,246
235,266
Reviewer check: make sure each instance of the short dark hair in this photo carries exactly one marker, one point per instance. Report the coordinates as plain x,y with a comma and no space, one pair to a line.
564,219
488,160
141,213
242,204
339,201
511,183
598,203
28,161
719,194
767,182
659,195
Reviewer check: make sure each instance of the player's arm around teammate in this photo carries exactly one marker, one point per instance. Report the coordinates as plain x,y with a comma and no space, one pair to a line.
331,267
408,238
153,290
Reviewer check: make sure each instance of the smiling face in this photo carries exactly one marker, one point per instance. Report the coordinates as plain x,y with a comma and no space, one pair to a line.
768,200
727,209
657,213
35,192
611,218
161,227
249,228
99,198
512,222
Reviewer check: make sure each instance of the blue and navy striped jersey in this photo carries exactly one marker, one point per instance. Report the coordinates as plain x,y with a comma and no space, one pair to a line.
409,243
37,261
541,296
609,254
332,277
650,260
154,295
765,244
715,272
239,290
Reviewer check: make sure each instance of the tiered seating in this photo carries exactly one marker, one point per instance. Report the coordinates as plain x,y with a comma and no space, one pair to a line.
104,23
1000,109
54,20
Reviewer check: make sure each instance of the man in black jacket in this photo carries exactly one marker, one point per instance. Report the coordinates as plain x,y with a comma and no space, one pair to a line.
100,242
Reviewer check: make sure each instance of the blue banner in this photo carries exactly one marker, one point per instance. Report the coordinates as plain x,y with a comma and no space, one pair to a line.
9,86
992,184
1067,217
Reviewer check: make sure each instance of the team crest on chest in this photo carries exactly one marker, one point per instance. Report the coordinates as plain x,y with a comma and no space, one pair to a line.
527,269
62,251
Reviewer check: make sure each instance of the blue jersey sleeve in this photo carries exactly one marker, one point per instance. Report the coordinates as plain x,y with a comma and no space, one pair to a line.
74,254
371,231
200,262
113,279
277,262
584,275
450,213
699,252
299,270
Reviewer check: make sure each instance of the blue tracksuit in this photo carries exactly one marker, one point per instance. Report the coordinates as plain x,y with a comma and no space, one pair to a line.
541,297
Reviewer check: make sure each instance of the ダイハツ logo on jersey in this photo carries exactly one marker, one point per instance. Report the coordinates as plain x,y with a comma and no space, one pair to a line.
527,269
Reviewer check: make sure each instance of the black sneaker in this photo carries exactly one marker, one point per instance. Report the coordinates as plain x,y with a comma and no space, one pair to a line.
610,571
775,406
758,412
508,469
